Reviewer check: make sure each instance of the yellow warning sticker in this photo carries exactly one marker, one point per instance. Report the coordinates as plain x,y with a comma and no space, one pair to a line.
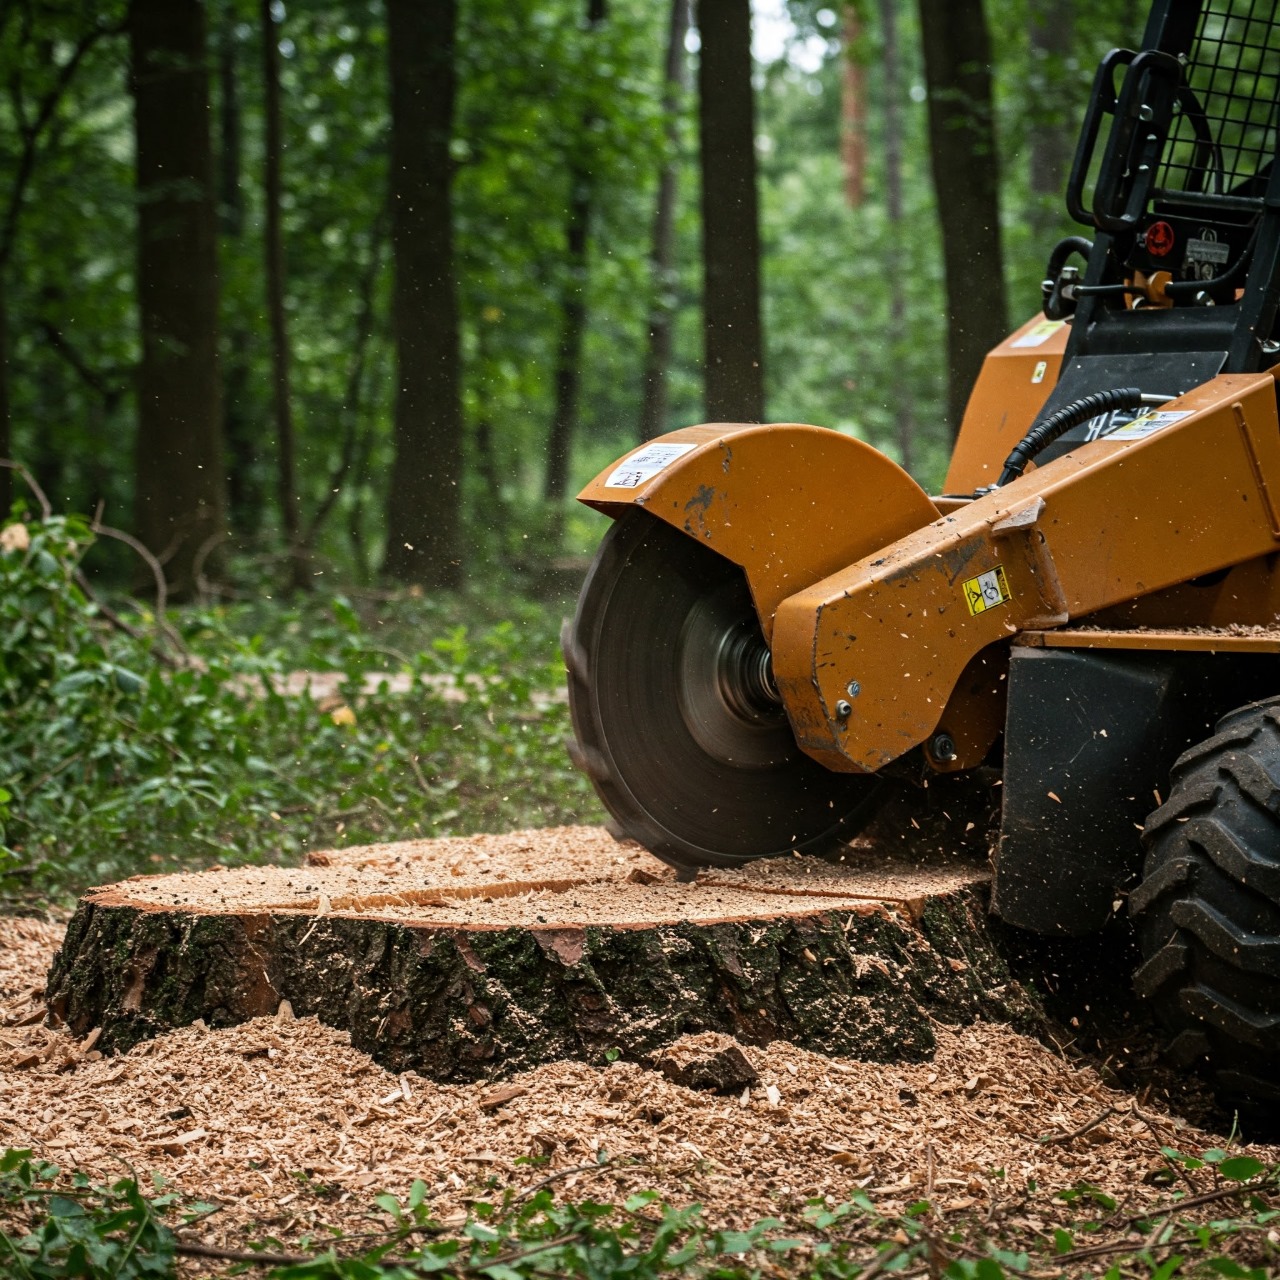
986,590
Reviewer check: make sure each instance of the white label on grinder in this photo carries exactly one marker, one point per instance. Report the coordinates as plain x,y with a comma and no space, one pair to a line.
1039,333
1149,424
644,464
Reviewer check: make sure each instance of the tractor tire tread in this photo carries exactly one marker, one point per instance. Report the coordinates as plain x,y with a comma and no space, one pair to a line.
1207,910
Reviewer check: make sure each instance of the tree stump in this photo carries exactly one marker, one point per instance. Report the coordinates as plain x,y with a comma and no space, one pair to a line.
476,958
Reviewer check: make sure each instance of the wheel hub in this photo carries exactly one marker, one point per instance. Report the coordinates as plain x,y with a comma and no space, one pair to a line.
728,698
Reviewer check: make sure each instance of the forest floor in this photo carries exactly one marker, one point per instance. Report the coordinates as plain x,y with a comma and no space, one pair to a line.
284,1131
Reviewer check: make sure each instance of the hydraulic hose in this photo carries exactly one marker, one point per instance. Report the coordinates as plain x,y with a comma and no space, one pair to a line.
1047,430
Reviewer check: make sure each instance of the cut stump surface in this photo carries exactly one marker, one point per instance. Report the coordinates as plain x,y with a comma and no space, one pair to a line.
474,958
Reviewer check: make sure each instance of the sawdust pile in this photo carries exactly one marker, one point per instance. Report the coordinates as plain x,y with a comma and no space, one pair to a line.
287,1126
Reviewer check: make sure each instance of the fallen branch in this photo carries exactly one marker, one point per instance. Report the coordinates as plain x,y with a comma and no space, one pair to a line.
190,1249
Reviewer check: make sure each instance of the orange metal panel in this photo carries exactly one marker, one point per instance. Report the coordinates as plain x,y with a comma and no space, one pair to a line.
1127,515
1015,381
1203,640
789,503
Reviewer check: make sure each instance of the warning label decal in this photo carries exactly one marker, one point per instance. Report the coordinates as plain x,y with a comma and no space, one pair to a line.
1038,333
644,464
1149,424
986,590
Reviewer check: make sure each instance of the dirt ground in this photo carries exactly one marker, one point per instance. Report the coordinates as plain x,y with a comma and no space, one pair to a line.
285,1126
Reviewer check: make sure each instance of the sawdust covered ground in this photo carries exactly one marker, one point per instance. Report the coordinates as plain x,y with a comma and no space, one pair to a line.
287,1127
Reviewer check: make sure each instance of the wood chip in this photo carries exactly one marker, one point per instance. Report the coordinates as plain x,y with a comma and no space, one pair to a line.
500,1097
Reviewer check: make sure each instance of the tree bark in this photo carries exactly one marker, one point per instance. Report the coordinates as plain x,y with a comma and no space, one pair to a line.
461,977
734,355
273,149
180,484
424,503
657,358
891,69
573,310
962,149
853,110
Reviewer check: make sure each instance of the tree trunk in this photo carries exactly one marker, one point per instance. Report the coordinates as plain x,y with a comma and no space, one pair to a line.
891,69
962,148
273,147
734,356
657,359
465,968
573,310
180,483
853,110
1055,119
243,488
6,428
424,502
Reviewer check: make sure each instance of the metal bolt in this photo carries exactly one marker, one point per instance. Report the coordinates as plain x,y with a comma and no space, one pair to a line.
854,688
843,710
943,747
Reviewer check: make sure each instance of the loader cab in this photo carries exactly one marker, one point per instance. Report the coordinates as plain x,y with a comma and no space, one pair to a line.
1175,174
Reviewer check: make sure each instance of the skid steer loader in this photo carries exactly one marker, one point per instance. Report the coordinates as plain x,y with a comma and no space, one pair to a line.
781,621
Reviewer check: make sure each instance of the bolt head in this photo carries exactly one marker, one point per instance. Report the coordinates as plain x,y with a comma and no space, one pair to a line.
943,748
843,710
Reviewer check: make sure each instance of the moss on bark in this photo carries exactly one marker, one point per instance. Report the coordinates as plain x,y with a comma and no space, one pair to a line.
464,1004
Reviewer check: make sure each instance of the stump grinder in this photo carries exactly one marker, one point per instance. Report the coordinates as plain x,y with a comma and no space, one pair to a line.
781,622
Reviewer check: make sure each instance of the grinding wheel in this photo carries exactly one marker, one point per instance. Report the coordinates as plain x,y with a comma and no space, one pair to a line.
677,720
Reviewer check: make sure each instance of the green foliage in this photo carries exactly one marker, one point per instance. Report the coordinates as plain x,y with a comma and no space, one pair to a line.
113,762
98,1233
53,1227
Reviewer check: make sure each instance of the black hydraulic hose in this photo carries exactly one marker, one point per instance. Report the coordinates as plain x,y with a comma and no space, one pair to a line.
1047,430
1063,250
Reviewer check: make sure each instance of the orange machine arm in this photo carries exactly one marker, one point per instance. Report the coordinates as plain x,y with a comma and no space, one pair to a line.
879,657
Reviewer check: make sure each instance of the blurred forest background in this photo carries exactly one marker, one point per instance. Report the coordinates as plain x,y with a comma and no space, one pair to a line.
369,287
314,316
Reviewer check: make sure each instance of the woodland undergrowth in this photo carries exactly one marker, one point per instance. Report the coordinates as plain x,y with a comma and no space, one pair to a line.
139,739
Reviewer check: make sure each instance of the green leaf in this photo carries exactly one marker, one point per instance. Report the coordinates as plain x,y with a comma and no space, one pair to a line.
1240,1168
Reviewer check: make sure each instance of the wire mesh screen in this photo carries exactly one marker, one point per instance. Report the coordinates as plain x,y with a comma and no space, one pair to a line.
1224,132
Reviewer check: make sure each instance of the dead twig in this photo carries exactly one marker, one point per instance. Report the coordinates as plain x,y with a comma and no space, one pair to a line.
46,510
1050,1138
595,1166
157,570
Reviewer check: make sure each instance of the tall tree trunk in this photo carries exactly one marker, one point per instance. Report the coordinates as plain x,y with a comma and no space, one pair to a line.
962,148
6,430
657,357
573,309
424,503
891,69
853,109
286,492
243,487
734,355
1054,132
180,483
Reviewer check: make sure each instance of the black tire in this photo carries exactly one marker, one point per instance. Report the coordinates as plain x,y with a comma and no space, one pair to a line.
1208,909
629,655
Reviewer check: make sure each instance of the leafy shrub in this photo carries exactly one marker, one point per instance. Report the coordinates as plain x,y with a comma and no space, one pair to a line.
141,742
